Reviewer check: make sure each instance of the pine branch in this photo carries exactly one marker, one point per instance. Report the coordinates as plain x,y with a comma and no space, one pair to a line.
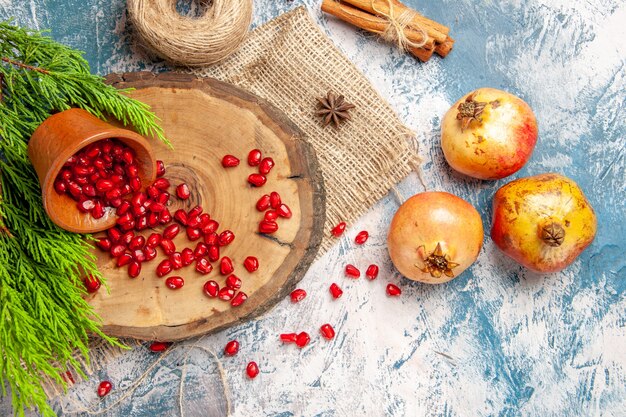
44,318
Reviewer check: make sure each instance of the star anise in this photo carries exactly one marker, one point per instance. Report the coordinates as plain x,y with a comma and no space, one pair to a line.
470,110
436,263
333,109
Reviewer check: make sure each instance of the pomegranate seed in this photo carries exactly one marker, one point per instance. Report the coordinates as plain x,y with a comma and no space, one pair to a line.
335,291
138,199
182,191
239,299
203,266
60,186
134,269
164,268
132,170
153,240
339,229
104,243
266,166
114,234
231,348
211,288
252,370
187,256
393,290
327,331
233,281
226,266
165,217
275,200
193,234
230,161
156,207
270,215
168,246
263,203
352,271
163,198
89,190
194,222
85,206
138,255
127,226
124,259
288,337
127,238
174,283
372,272
214,253
92,283
284,211
302,339
257,180
159,346
68,377
125,219
161,183
254,157
204,220
149,253
102,185
171,231
75,189
117,250
135,183
160,168
211,239
196,211
226,294
268,227
201,250
98,210
123,208
181,217
251,264
297,295
104,388
210,227
225,238
177,260
361,237
137,242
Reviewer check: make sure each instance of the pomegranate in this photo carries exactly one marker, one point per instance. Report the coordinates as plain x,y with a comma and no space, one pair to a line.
543,222
434,236
488,134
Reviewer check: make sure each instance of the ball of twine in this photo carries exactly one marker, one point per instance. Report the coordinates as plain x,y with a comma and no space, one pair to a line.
191,41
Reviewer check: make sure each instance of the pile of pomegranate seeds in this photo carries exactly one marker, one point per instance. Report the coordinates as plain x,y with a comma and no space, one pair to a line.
99,176
104,388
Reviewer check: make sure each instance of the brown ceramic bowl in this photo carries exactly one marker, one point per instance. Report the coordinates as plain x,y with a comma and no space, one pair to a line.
61,136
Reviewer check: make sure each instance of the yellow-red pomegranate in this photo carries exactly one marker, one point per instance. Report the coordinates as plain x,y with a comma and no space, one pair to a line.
488,134
543,222
434,236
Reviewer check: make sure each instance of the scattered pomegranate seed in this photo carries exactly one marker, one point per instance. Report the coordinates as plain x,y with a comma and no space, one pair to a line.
251,263
181,217
196,211
214,253
263,203
159,346
201,250
193,234
104,243
284,211
233,281
171,231
275,200
117,250
352,271
268,227
168,246
211,288
257,180
187,256
161,183
372,272
182,191
137,242
104,388
226,294
230,161
270,215
134,269
164,268
335,291
92,283
203,266
174,283
239,299
226,266
361,238
211,240
302,339
288,337
327,331
160,168
114,234
177,260
339,229
393,290
266,165
254,157
252,370
231,348
124,259
225,238
68,377
149,253
297,295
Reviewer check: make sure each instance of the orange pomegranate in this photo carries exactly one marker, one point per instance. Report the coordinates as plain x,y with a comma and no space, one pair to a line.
543,222
434,236
488,134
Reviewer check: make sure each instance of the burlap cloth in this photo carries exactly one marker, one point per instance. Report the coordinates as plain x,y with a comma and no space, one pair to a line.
289,61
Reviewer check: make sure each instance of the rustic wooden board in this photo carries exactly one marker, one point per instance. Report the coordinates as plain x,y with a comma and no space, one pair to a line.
206,119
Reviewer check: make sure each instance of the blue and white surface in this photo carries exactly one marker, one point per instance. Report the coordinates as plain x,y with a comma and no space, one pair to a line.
498,340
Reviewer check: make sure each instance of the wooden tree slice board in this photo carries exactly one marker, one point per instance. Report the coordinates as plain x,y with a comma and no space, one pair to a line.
206,119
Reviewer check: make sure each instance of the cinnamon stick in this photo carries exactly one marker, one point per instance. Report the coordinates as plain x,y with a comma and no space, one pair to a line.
378,25
444,48
433,29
